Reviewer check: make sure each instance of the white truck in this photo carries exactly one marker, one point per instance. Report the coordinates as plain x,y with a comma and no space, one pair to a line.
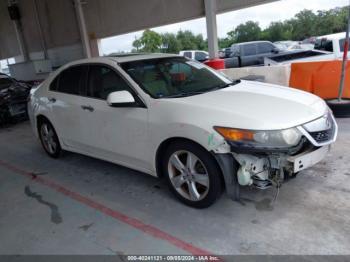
328,47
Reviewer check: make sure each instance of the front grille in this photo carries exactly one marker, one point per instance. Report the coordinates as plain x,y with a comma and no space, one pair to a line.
322,136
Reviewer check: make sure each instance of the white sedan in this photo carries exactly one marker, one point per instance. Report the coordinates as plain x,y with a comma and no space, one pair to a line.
172,117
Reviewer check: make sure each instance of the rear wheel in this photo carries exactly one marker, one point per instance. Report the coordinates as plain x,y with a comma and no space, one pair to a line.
49,139
192,174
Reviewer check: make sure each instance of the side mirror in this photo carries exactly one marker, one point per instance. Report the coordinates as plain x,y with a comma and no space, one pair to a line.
121,99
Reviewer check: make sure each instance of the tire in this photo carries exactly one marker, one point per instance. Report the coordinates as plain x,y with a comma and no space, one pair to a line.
340,109
49,139
192,174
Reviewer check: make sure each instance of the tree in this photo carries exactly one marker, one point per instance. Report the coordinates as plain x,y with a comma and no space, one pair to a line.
150,41
277,31
170,44
331,21
137,44
187,40
303,25
225,42
250,31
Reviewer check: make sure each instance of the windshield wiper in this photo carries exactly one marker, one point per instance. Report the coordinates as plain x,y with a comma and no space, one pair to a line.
224,86
184,94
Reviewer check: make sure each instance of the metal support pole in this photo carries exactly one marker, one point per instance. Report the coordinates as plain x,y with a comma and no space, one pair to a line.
20,36
212,34
42,39
345,59
82,28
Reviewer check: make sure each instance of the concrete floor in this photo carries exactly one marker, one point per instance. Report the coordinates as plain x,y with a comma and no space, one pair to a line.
311,215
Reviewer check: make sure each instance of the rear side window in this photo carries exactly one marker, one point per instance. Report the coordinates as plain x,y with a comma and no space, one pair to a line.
54,84
264,48
200,56
324,45
188,54
341,43
103,80
249,49
70,81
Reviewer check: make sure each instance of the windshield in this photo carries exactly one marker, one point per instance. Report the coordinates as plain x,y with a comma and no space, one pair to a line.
174,77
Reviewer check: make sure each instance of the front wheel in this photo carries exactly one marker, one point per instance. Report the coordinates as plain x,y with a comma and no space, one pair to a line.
192,174
49,139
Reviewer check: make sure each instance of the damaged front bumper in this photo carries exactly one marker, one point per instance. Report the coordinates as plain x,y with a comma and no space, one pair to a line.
264,168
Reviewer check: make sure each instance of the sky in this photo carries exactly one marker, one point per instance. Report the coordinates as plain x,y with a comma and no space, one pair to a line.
264,14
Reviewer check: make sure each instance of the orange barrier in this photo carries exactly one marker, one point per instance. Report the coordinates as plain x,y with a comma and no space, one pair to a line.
320,78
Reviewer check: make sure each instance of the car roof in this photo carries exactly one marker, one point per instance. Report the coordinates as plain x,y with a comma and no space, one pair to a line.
253,42
193,51
139,56
122,58
333,36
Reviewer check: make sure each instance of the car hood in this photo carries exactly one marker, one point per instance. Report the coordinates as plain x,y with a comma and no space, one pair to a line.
250,105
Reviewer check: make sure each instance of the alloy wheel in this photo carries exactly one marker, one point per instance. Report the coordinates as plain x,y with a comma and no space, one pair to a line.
188,175
48,138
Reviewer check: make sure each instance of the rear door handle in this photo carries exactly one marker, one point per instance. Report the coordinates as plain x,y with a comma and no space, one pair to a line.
52,99
89,108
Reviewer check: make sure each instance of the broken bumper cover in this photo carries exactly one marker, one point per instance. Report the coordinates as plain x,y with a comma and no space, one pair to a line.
309,158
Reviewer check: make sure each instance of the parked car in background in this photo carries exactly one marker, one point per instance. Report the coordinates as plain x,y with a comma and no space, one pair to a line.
13,99
250,53
228,52
222,53
293,45
328,47
198,55
176,118
333,43
310,40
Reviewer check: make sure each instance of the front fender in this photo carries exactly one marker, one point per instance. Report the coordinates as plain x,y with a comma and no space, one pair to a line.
210,140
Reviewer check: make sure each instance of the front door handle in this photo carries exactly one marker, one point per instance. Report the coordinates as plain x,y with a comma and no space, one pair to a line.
89,108
52,99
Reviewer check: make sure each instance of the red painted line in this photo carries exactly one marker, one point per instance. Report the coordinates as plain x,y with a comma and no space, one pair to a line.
138,224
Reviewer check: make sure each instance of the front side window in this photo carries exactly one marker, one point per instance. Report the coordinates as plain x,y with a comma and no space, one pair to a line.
70,81
103,80
174,77
264,48
249,49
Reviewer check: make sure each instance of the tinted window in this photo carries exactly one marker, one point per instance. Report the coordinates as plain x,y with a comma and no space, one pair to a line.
103,80
249,49
200,56
264,48
341,43
233,51
70,80
324,45
54,84
188,54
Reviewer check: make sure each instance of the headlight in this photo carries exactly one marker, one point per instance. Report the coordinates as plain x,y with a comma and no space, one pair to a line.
262,139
